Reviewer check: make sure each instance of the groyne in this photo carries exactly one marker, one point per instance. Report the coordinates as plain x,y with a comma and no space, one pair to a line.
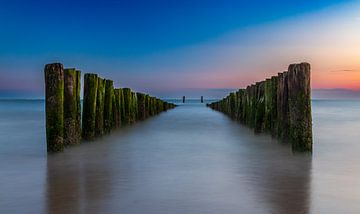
105,108
280,105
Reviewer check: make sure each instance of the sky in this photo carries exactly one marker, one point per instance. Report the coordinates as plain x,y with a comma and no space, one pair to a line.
173,48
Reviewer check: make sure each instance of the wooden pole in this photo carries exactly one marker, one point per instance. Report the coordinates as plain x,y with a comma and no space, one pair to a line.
127,103
300,121
117,108
108,111
141,106
283,107
122,106
54,104
72,134
259,107
183,99
89,106
134,107
100,101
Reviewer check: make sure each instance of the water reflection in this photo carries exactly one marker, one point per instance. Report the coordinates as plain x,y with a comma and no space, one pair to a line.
79,181
282,182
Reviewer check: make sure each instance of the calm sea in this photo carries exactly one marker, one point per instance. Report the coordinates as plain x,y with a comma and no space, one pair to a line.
187,160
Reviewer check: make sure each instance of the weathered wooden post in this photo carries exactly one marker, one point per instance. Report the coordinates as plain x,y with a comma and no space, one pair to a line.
72,131
108,112
116,109
259,107
250,112
127,103
268,92
78,116
54,104
283,107
89,106
231,106
183,99
134,107
147,106
151,106
141,106
122,106
100,98
274,114
202,99
300,121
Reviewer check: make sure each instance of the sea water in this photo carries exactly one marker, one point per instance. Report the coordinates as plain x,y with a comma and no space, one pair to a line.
187,160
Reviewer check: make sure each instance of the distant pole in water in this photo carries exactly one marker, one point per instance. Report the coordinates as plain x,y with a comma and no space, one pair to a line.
54,105
183,99
202,99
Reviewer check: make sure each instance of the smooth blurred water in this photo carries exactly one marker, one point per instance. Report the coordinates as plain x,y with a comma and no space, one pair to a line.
187,160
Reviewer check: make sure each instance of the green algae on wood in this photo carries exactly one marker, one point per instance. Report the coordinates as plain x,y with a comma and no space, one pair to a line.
273,113
54,107
78,91
127,105
108,105
259,107
134,107
121,106
72,132
104,108
99,118
300,121
117,108
141,106
280,105
283,107
147,105
89,106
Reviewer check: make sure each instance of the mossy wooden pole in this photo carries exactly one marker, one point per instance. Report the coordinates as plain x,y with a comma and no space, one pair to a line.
260,107
268,92
72,133
231,106
283,107
147,105
134,107
78,102
122,106
117,108
127,104
89,106
54,107
300,121
108,112
274,113
100,98
141,106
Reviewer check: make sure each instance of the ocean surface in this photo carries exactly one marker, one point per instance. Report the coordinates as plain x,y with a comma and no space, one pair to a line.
187,160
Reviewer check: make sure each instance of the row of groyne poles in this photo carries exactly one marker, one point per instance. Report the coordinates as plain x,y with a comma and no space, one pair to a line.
280,105
201,99
104,108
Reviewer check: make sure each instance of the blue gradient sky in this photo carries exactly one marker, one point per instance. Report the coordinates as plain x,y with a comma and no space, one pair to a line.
170,48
